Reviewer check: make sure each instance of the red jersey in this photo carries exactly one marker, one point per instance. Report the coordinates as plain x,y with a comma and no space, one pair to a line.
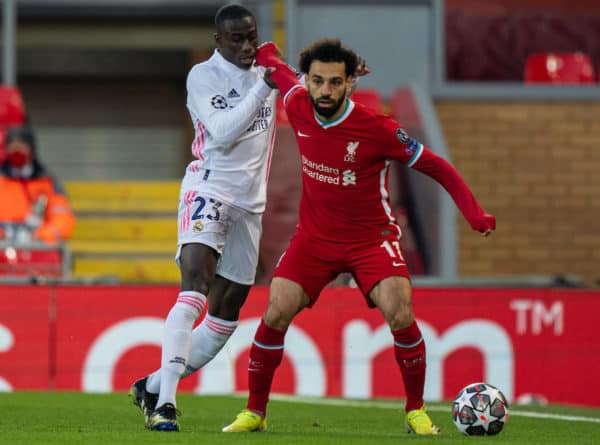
345,167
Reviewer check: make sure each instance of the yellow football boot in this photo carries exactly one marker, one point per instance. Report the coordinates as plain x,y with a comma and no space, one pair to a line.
247,422
418,422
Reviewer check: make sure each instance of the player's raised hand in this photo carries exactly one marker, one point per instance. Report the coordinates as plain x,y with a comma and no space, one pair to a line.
362,69
267,54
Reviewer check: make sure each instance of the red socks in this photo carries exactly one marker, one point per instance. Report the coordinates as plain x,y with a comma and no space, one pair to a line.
267,351
409,349
265,356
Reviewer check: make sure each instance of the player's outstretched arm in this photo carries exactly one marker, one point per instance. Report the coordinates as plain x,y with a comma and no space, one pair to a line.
445,174
278,71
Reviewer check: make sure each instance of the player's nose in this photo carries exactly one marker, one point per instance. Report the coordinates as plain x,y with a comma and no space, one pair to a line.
326,90
248,47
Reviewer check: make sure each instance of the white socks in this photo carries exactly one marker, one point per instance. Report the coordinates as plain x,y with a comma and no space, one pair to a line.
177,342
207,340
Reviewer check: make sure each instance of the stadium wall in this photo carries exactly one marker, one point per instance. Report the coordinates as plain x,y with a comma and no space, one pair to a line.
535,166
101,338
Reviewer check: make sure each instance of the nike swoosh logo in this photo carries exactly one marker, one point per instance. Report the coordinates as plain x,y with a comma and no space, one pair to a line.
302,135
395,264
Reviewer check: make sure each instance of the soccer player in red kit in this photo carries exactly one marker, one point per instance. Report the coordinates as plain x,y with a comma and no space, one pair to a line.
346,224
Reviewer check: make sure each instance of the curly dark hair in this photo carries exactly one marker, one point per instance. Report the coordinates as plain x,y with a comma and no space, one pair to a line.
328,50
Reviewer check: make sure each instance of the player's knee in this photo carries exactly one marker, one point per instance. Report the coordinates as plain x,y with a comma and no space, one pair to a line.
277,317
201,286
195,280
401,317
226,311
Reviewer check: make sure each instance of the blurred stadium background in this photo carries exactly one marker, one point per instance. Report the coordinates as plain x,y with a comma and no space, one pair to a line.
507,90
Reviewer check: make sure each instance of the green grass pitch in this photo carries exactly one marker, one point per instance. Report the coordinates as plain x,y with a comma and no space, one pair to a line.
67,418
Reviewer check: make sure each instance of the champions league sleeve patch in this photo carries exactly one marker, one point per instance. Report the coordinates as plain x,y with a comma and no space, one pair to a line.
402,136
412,145
218,102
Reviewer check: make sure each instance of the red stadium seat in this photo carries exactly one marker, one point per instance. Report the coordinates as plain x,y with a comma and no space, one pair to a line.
404,109
559,68
368,97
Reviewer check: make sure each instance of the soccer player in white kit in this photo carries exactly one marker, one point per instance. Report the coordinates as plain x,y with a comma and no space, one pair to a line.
221,202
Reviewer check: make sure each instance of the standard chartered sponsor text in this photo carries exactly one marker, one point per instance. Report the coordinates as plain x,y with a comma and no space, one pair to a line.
318,171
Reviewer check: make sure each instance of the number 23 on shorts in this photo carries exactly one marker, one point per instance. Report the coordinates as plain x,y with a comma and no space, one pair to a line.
208,208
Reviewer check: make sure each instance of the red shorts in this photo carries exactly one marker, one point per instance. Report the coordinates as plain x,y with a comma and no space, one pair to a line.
314,263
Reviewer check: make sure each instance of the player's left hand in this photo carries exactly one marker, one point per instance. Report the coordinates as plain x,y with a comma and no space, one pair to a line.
488,224
265,53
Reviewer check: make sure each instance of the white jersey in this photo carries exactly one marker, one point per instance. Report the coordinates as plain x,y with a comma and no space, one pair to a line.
233,112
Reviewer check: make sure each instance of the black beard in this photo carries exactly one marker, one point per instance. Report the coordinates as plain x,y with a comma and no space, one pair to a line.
328,111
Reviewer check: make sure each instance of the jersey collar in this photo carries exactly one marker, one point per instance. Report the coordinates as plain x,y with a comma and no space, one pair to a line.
341,118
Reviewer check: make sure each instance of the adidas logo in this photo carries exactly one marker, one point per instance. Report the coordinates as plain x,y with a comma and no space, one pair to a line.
233,93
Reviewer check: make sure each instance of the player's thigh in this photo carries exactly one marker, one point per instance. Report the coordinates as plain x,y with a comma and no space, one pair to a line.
227,298
197,264
239,260
392,296
305,263
286,299
236,268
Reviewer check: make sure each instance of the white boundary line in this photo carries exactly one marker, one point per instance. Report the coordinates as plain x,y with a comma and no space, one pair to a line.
395,405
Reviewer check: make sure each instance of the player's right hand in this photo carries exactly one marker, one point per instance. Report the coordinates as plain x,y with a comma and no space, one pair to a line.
362,69
267,78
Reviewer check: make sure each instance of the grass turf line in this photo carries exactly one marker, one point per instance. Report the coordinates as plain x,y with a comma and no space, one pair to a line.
67,418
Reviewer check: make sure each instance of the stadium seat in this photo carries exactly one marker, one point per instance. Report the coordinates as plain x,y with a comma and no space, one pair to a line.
126,230
404,109
368,97
559,68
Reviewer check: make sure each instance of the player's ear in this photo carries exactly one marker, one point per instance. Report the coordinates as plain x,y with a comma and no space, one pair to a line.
349,85
217,38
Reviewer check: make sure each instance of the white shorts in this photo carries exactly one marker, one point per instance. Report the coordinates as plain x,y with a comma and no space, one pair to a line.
234,233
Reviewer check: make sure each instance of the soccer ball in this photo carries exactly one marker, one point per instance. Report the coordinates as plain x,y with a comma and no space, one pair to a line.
480,409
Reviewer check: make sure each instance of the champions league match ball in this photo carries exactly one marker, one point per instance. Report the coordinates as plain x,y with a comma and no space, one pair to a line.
480,409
